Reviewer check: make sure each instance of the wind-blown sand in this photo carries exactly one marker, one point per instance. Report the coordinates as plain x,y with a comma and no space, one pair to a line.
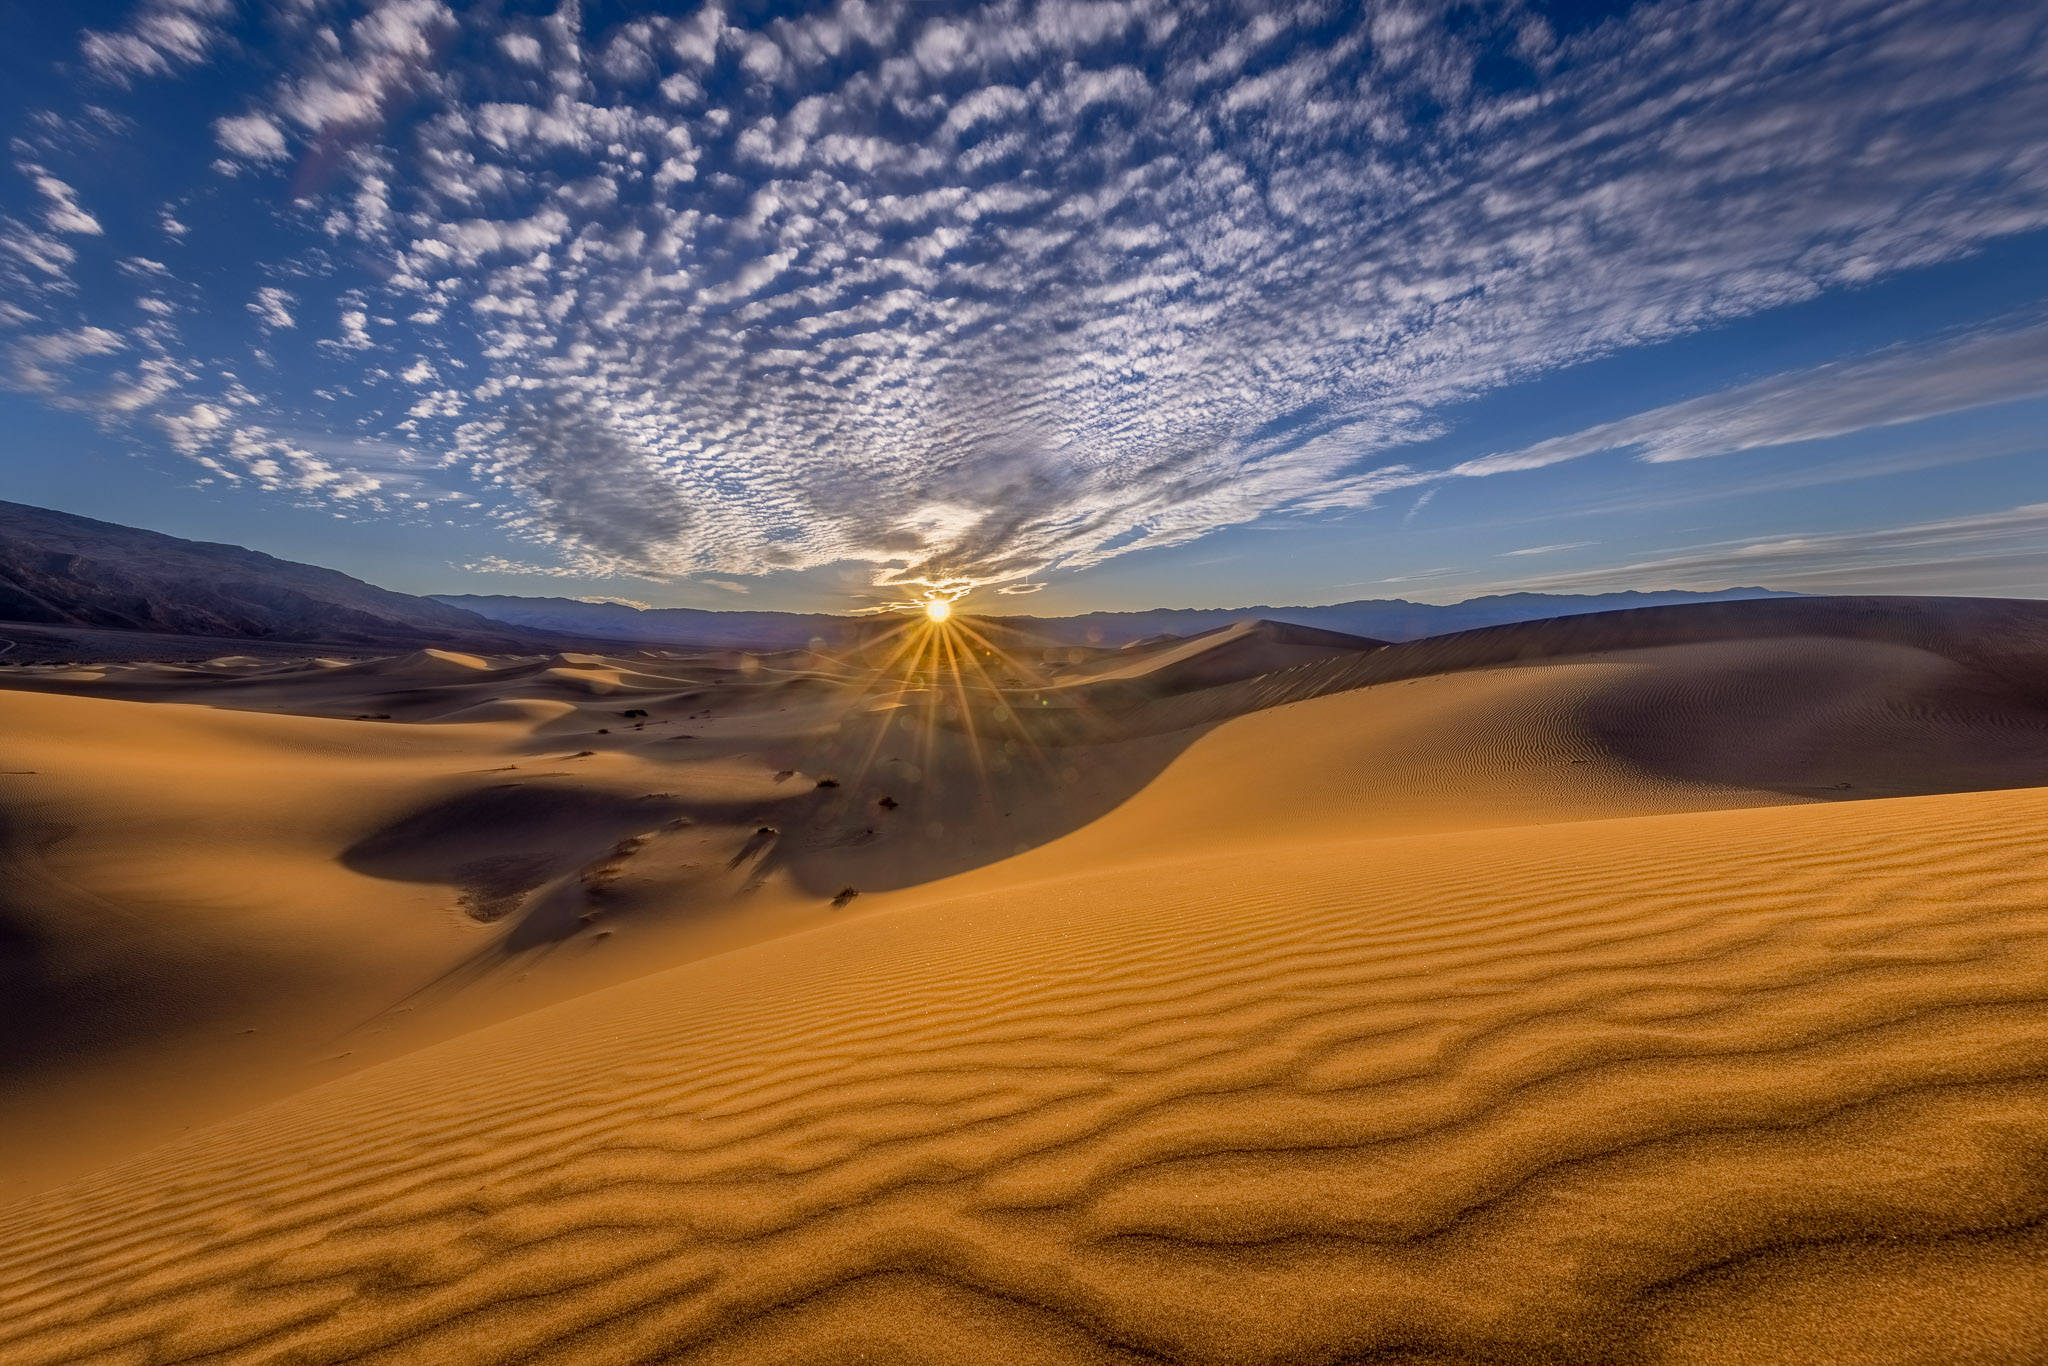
1651,994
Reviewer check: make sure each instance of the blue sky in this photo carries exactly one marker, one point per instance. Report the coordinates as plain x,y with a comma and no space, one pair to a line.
1066,305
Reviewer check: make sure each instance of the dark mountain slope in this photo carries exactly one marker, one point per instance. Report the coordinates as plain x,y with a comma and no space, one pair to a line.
63,570
666,625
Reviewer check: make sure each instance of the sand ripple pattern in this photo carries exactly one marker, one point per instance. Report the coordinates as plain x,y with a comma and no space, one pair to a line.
1743,1086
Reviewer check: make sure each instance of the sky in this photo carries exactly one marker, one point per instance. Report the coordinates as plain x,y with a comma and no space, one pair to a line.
1061,306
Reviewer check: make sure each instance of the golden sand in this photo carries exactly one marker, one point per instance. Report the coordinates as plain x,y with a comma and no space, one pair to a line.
1665,1003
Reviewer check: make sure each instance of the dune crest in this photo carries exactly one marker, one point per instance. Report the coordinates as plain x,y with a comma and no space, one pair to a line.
1609,994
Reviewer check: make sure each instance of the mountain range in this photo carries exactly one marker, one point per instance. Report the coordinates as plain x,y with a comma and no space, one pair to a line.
57,569
62,570
1377,618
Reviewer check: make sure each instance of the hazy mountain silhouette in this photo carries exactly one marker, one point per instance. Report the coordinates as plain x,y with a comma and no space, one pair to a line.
58,569
1378,619
61,570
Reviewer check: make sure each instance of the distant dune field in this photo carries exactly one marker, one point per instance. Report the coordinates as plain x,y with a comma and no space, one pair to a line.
1643,989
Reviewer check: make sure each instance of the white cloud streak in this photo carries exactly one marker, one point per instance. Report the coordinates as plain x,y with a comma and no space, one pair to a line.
253,137
62,213
1547,549
159,37
1890,388
272,307
1971,554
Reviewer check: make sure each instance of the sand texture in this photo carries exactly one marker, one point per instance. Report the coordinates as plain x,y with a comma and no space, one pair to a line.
1645,992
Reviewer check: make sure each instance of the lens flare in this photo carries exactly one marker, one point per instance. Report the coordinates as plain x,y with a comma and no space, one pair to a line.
938,609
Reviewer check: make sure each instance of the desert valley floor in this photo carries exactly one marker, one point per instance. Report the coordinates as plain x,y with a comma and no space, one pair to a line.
1666,986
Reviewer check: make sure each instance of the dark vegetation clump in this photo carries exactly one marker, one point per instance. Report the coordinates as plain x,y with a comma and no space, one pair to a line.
846,894
828,782
631,712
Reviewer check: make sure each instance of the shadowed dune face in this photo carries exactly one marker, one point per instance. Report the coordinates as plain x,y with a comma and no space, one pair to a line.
498,843
1871,720
1481,1000
26,995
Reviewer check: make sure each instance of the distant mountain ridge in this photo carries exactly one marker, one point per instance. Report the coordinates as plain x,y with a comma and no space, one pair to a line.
1378,619
664,625
63,570
1393,619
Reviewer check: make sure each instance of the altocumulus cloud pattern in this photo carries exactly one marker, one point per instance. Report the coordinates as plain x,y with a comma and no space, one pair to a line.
963,292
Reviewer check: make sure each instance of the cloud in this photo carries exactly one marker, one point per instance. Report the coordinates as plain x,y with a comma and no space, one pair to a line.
191,432
1929,450
270,460
525,49
34,361
272,307
1983,552
983,292
1548,549
62,213
634,603
35,261
499,564
1422,574
350,86
1905,384
561,457
355,332
254,137
160,36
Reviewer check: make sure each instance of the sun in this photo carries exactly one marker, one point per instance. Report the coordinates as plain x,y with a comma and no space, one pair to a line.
938,609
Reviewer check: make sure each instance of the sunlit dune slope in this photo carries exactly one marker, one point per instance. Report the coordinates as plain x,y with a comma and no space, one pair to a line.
1225,655
203,908
1592,991
1666,728
207,908
1671,1088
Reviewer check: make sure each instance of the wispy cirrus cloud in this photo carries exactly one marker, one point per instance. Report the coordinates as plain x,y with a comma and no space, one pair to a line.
982,290
272,307
1889,388
1548,549
61,212
159,37
1967,554
252,137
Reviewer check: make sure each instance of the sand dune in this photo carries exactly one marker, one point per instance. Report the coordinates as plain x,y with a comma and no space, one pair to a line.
1675,1000
1206,1114
1225,655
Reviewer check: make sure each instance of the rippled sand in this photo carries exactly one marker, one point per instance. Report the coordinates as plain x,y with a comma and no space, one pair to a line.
1663,1002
